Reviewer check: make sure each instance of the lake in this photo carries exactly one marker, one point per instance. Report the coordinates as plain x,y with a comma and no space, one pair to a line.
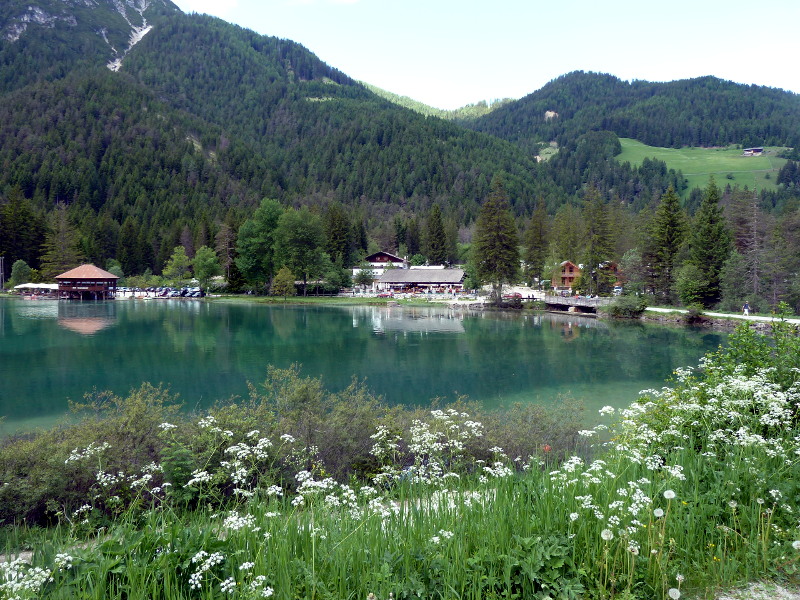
52,351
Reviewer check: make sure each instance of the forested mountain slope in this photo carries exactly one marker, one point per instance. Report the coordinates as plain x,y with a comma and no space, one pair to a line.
150,128
203,119
46,39
287,125
706,111
318,130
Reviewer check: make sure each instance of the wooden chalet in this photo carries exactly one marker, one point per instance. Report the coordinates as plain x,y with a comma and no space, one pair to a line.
87,282
569,273
384,259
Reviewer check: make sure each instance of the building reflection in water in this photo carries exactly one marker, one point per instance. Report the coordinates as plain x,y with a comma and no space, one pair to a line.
86,318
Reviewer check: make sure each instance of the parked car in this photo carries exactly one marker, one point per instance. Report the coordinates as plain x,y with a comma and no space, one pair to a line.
386,295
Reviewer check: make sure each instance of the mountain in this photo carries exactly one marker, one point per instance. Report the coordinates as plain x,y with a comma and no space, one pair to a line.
199,119
705,111
154,128
465,113
46,39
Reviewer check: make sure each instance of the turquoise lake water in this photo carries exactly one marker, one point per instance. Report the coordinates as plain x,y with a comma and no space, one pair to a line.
54,351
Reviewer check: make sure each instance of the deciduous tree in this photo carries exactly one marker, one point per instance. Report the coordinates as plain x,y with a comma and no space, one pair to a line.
299,240
255,245
177,267
205,266
20,273
283,284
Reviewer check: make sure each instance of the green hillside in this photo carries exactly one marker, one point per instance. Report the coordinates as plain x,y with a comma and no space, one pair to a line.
701,112
465,113
727,165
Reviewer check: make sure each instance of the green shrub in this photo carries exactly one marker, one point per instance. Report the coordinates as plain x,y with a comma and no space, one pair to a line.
693,314
626,307
118,443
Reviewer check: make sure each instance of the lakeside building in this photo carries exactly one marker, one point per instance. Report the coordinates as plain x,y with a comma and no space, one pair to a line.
87,282
569,273
422,280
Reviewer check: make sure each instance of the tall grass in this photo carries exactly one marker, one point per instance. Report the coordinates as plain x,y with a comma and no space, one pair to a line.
692,487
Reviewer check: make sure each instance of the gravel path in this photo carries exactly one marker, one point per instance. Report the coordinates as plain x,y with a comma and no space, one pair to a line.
755,318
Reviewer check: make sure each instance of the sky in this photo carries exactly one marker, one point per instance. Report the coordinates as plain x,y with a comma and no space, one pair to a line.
450,53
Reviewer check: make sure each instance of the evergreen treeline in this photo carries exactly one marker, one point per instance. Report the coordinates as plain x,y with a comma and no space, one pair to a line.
207,119
705,111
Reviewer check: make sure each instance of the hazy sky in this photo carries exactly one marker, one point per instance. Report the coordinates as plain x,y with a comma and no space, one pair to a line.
448,53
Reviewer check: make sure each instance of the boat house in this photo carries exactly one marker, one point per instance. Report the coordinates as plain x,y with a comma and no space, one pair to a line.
87,282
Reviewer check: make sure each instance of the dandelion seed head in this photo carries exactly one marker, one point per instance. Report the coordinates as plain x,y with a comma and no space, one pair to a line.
669,494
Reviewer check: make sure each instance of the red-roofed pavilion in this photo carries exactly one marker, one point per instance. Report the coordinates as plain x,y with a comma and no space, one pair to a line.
87,282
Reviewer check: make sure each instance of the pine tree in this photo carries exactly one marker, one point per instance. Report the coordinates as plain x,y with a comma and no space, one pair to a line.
598,240
666,234
749,227
337,234
435,237
565,234
61,250
128,250
710,243
535,241
225,243
495,251
21,230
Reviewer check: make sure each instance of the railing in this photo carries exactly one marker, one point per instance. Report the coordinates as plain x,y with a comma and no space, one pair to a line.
577,301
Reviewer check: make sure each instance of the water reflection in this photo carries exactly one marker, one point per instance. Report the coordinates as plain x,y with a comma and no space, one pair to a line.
37,309
86,318
208,352
406,320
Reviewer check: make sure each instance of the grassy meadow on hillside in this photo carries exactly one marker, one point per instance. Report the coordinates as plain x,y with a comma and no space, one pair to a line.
727,165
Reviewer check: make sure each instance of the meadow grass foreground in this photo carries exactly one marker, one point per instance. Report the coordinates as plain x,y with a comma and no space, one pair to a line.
692,487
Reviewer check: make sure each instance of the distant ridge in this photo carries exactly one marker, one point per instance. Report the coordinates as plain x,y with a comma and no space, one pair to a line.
467,112
705,111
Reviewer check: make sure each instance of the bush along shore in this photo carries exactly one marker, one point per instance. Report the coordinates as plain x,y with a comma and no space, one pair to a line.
301,493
